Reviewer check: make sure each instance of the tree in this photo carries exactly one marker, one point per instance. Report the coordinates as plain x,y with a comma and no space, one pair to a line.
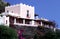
7,33
2,5
50,35
58,34
45,33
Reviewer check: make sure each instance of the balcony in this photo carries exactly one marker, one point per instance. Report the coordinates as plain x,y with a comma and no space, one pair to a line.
20,24
24,22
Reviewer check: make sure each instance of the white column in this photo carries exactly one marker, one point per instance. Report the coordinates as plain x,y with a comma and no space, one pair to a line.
41,24
24,21
15,20
32,22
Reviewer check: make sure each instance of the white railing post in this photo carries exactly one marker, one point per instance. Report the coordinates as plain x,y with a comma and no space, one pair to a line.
24,21
15,20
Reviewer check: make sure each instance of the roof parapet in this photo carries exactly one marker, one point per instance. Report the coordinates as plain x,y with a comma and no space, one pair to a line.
19,5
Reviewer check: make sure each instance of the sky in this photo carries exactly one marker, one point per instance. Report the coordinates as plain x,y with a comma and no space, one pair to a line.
49,9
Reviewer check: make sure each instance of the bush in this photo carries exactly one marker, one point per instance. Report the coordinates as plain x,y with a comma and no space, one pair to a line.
45,33
7,33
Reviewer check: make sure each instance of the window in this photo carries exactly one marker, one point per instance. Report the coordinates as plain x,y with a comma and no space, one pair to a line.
27,13
6,21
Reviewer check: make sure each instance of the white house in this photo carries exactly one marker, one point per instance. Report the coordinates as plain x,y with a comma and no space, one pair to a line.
24,15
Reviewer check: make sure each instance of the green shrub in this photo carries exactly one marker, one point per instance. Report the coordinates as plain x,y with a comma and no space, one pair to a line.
7,33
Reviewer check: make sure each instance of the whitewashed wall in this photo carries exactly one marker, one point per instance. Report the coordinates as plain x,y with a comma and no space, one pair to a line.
3,20
21,9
